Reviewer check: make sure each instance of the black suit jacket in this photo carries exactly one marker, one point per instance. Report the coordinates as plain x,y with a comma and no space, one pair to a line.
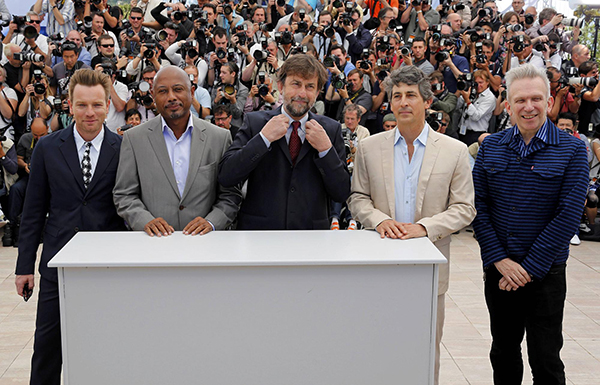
56,188
281,196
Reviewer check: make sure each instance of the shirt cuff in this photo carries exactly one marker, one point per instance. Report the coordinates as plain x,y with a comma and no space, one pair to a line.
351,33
323,153
213,226
267,143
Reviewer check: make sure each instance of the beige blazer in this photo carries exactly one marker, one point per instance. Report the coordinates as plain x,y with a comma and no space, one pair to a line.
445,195
145,187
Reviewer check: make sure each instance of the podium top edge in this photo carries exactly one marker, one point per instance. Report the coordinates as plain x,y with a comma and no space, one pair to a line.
244,248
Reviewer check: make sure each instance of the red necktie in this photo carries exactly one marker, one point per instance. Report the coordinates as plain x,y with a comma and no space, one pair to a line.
295,142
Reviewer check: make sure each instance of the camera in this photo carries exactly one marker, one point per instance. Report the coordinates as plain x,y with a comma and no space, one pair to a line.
338,4
28,56
161,35
529,18
437,87
298,49
589,82
349,139
464,82
302,24
329,32
107,68
96,2
483,12
518,43
78,3
365,64
572,71
405,51
286,38
221,53
195,13
38,86
125,127
574,22
58,105
230,54
149,53
261,56
331,61
434,119
263,89
514,27
384,61
281,3
189,47
442,55
266,27
242,38
56,37
228,89
346,18
339,81
178,15
143,87
383,43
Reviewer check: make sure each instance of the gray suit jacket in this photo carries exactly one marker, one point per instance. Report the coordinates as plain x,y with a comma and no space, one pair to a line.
146,188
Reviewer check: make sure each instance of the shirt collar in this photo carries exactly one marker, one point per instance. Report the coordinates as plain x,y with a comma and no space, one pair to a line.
169,131
96,142
422,138
548,133
302,121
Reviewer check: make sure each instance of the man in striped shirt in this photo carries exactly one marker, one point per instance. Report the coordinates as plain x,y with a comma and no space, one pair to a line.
61,15
530,185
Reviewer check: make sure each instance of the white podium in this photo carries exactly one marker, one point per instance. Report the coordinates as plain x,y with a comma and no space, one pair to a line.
248,308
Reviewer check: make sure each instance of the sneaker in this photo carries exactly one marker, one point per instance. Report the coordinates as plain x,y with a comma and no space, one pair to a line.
575,240
352,225
3,221
583,228
335,224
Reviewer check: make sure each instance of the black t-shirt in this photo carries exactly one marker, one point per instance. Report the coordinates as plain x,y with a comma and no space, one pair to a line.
115,12
13,77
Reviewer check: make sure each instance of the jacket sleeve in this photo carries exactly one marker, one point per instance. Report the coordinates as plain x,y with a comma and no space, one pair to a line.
447,105
333,167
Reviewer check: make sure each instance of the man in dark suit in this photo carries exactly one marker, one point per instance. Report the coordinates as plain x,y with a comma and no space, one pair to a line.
71,181
293,160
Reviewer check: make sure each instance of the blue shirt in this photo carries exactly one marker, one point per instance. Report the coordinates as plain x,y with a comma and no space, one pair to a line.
529,198
406,174
449,79
179,152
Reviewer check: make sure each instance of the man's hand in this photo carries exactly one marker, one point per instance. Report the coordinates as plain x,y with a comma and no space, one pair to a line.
343,92
197,226
158,227
503,284
21,280
514,273
557,19
413,230
276,128
391,229
316,136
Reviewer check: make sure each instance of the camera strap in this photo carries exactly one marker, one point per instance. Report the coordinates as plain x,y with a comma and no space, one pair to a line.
12,110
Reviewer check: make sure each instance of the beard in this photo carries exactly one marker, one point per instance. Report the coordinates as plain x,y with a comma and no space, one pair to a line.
296,110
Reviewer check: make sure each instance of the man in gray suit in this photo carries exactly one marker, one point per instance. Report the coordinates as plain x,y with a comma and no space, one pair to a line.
167,174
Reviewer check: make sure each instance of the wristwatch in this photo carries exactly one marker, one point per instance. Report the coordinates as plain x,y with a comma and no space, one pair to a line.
103,11
3,158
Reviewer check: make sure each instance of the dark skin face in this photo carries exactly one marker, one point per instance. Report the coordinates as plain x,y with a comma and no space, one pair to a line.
173,97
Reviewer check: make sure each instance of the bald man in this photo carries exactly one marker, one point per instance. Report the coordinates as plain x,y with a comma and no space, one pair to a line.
167,175
579,55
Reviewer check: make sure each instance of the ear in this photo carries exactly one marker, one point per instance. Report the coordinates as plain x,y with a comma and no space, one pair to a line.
507,106
550,104
70,106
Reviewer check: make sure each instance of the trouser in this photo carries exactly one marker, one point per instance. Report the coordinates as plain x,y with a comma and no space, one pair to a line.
537,308
17,197
47,353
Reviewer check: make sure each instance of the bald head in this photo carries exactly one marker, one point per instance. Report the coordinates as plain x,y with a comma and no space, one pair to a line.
172,73
172,91
579,54
455,21
38,128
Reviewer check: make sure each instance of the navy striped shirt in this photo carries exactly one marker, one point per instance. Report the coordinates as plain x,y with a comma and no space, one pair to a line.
529,199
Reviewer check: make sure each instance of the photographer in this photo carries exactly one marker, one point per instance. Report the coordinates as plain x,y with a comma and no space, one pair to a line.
478,110
262,96
241,42
185,53
324,35
354,32
579,55
142,99
132,118
38,101
119,96
276,9
26,35
416,56
263,60
201,101
285,42
135,35
420,16
61,15
8,106
177,16
591,94
106,53
522,48
375,7
16,198
452,66
352,92
112,14
564,99
92,42
8,171
226,16
487,14
443,100
149,56
63,70
62,114
231,91
82,54
481,56
219,56
222,118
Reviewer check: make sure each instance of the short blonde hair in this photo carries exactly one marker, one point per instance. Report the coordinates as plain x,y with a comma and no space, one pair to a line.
90,78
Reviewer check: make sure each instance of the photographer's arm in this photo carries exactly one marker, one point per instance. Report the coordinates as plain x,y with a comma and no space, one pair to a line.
37,7
594,95
110,19
378,101
331,95
119,103
506,63
249,71
558,101
24,106
5,106
405,18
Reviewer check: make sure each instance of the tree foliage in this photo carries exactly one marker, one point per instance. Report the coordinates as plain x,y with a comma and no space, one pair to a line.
588,32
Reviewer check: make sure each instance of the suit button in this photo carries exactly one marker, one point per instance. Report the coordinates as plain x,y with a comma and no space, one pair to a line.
84,203
76,229
293,189
181,207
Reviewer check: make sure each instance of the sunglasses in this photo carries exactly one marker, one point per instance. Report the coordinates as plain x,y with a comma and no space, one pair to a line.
135,18
107,45
35,21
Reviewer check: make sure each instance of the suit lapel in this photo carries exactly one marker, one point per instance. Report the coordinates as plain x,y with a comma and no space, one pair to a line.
107,152
69,151
196,154
157,141
432,150
387,161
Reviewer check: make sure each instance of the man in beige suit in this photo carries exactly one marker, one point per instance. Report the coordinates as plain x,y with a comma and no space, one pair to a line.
412,181
167,174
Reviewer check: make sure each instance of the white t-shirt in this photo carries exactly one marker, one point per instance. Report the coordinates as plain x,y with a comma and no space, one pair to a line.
116,119
6,124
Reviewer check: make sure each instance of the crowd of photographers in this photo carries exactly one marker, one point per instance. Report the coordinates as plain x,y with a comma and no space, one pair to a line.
233,50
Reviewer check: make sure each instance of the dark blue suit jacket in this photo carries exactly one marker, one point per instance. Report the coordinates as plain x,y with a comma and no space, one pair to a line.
56,188
281,196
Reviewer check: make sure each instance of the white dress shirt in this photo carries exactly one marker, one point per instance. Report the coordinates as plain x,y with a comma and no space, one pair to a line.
179,152
116,119
477,116
406,174
94,149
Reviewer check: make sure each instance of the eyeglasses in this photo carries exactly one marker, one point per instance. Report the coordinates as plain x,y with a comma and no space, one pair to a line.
107,45
444,124
135,18
35,21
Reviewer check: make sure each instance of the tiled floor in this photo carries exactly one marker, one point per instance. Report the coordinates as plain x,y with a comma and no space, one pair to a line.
466,336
